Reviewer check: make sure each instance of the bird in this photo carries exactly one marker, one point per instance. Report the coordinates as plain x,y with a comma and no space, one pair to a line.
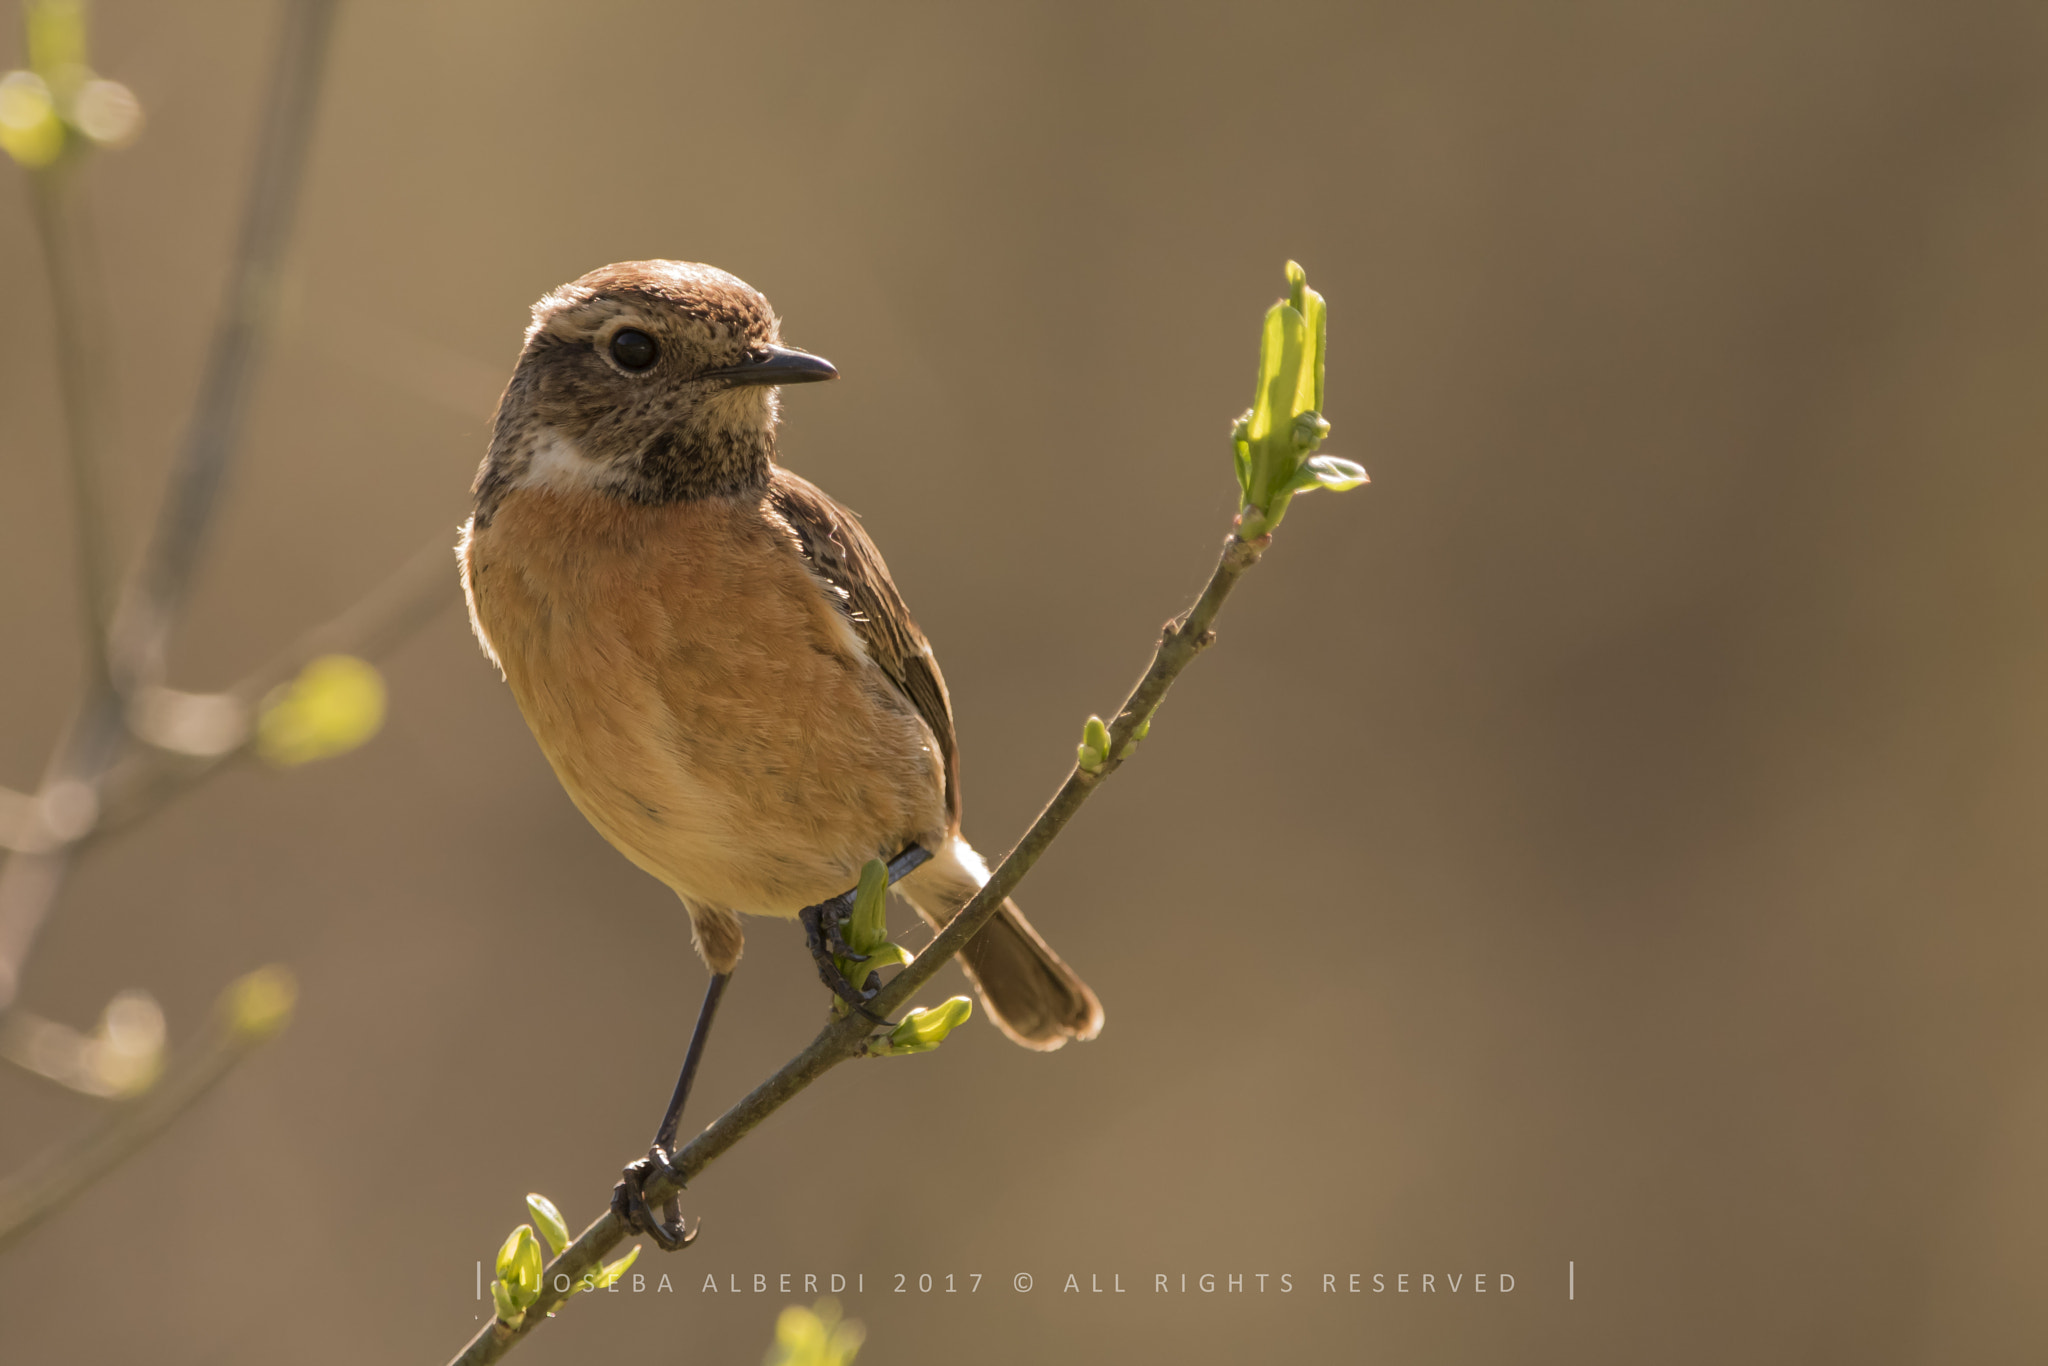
709,650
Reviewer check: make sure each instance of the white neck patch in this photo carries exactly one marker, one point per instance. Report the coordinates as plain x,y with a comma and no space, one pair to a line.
556,463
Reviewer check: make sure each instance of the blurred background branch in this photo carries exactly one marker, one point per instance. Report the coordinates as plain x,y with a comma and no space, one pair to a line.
133,743
251,1011
131,655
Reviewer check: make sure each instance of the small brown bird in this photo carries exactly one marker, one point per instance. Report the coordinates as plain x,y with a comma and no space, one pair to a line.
710,650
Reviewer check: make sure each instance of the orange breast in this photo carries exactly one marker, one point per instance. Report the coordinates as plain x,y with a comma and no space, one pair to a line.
704,704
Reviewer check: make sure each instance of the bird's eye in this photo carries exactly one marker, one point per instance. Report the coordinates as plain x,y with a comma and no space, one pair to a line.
633,349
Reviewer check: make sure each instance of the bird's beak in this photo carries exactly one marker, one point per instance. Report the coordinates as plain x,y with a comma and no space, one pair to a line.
775,365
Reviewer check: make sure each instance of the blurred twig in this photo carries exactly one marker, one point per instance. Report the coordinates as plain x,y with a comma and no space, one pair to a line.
133,743
250,1011
140,625
77,307
843,1039
193,735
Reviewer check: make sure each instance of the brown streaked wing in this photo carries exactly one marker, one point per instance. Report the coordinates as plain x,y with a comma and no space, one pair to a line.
831,540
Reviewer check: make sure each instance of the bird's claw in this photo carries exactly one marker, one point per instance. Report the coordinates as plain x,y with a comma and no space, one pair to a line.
629,1203
824,933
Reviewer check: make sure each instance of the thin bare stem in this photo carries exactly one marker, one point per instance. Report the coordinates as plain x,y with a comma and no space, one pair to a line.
1182,639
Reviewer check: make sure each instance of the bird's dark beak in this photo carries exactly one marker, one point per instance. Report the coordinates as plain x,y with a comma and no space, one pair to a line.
775,365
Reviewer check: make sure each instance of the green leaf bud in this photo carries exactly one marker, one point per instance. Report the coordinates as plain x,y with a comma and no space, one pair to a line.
924,1030
519,1266
1286,422
1309,429
868,926
552,1225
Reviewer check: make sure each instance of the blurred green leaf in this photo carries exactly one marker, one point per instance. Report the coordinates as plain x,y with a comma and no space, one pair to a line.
333,706
815,1337
40,107
30,130
56,34
260,1003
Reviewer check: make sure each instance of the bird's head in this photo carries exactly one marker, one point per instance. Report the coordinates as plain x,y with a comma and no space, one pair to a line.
648,380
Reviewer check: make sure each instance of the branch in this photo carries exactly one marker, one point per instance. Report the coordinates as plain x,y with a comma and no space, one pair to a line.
139,634
1183,639
195,735
142,625
198,734
77,304
251,1011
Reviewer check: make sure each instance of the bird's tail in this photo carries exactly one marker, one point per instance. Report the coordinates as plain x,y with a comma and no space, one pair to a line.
1033,996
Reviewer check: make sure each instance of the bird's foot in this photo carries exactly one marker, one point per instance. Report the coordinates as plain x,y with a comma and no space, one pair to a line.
629,1203
825,934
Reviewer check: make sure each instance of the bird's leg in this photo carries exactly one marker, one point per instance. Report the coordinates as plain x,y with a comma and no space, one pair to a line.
629,1198
825,932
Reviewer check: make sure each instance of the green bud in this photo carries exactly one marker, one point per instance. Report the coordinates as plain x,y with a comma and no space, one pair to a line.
1286,421
868,927
924,1030
519,1266
509,1313
1309,430
552,1225
867,930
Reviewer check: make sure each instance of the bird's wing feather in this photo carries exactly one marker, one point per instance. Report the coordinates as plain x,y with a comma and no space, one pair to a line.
832,542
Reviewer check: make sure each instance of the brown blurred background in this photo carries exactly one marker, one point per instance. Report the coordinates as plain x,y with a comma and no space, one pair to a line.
1612,838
